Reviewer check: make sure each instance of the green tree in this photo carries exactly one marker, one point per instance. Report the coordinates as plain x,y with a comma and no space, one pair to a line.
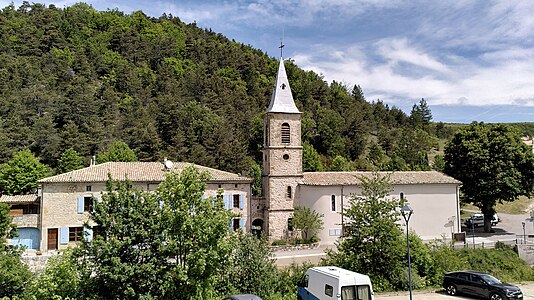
373,242
439,163
197,228
311,160
251,268
20,174
118,151
340,163
14,274
70,160
493,165
376,156
307,221
60,279
420,116
255,172
127,253
6,225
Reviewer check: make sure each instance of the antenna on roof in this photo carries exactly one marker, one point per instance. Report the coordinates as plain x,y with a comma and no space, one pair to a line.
168,164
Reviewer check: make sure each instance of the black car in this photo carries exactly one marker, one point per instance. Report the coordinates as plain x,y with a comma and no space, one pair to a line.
479,284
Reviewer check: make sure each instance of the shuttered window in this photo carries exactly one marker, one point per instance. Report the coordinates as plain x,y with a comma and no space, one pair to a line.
286,139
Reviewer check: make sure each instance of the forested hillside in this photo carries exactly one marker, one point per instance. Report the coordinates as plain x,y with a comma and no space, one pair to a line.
83,79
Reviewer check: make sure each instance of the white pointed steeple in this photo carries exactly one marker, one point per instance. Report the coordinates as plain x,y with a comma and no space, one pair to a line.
282,99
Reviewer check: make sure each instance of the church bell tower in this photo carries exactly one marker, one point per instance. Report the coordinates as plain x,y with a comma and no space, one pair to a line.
282,156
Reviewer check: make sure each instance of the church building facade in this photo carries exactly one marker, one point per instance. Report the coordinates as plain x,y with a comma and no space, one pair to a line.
432,195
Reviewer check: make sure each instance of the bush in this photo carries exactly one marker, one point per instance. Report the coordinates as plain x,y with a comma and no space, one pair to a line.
60,279
14,274
279,243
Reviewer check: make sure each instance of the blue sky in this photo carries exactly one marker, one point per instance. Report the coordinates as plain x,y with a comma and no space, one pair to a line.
470,60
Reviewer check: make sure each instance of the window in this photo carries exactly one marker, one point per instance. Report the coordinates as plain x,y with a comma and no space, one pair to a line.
286,139
463,276
266,135
360,292
286,156
348,293
220,186
304,281
335,232
75,234
236,200
328,290
289,192
97,231
87,188
23,209
236,224
402,196
333,202
289,224
235,185
87,203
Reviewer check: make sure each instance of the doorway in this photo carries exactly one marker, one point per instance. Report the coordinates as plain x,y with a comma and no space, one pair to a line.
257,227
52,239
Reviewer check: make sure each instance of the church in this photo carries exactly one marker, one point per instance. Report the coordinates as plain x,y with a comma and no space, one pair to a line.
433,196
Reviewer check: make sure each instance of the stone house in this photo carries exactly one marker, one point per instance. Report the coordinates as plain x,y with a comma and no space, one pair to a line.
66,199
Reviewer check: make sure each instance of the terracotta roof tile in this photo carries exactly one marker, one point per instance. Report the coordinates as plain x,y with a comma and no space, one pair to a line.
352,178
18,199
137,172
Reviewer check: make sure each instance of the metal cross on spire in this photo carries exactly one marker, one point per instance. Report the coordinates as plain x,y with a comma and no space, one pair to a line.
281,47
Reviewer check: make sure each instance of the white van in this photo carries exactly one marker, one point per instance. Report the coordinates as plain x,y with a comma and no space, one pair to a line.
334,283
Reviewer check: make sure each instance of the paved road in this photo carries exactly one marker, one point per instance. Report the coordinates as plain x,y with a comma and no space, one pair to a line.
527,288
506,230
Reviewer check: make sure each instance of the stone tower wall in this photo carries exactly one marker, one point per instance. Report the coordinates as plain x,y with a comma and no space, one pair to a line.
282,169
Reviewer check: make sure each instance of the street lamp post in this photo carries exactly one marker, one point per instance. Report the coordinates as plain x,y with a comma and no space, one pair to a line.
407,212
524,233
473,231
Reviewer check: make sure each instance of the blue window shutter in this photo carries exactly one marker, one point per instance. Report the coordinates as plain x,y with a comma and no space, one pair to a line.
64,235
230,225
242,223
203,197
80,204
88,233
241,201
226,202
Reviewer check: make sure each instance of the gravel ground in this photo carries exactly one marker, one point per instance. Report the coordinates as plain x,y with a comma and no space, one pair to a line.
527,288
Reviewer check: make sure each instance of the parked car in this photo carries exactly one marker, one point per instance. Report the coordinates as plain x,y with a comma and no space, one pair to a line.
478,220
479,284
243,297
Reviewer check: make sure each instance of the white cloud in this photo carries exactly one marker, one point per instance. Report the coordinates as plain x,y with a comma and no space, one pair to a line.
508,82
398,50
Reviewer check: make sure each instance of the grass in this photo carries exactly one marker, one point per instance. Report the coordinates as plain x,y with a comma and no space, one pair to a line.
517,207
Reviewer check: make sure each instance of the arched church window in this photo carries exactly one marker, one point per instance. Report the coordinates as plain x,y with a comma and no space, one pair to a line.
286,139
289,192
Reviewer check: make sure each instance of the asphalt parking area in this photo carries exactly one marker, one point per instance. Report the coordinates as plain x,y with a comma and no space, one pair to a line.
526,288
